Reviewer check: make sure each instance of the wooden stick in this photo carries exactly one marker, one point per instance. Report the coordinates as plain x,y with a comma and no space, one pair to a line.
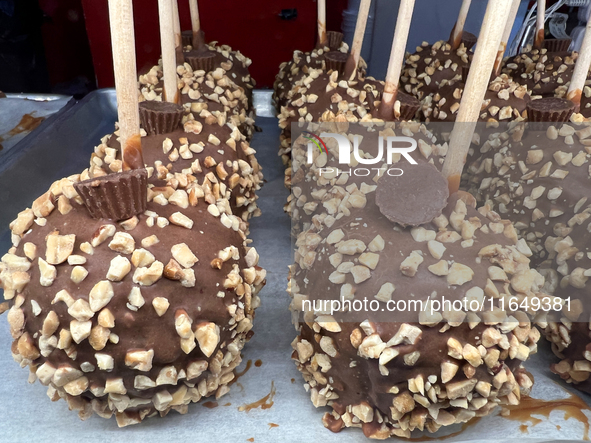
165,12
456,33
541,14
124,64
194,8
176,21
506,36
581,71
197,42
322,37
396,58
489,40
355,55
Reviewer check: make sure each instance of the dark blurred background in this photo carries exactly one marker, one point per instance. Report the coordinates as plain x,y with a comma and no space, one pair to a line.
63,46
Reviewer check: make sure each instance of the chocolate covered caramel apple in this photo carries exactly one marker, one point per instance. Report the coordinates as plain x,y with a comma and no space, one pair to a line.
132,318
569,330
540,70
568,258
537,176
182,151
232,61
324,96
328,42
393,376
505,100
299,66
215,91
433,68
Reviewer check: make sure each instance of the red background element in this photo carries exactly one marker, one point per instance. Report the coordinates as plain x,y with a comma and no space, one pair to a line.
251,26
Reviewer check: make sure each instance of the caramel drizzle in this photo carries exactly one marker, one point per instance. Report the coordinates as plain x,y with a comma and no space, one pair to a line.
572,406
539,41
499,60
240,374
453,183
132,153
575,97
27,123
264,403
455,39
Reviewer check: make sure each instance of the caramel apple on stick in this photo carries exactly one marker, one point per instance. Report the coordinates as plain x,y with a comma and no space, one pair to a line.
458,30
122,195
396,58
489,40
581,71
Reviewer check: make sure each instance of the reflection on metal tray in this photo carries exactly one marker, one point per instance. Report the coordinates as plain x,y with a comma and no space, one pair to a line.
20,114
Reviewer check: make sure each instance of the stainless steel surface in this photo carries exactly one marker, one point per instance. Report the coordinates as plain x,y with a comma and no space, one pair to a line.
28,415
60,146
15,106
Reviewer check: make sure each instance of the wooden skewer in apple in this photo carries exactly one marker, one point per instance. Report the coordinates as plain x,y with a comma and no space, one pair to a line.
124,63
581,71
322,36
477,82
198,41
396,58
506,36
455,39
540,18
178,38
355,55
121,195
167,39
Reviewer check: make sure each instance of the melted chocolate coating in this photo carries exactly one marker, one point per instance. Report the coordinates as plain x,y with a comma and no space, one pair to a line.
313,189
215,92
433,68
541,71
323,96
138,325
336,358
241,180
504,100
540,181
299,66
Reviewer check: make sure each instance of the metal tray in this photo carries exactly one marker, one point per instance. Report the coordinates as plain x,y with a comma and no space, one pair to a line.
28,415
15,107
